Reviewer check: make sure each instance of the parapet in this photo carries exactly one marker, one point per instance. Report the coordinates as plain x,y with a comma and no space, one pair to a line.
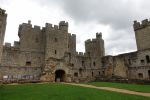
2,12
7,44
63,26
48,25
37,27
98,35
56,27
143,24
80,54
16,44
63,23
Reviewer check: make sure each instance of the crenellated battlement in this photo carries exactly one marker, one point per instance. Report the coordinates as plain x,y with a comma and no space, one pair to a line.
7,44
80,54
63,23
139,25
99,35
72,35
2,12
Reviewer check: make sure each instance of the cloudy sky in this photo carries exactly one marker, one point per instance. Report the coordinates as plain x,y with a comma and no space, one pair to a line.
114,18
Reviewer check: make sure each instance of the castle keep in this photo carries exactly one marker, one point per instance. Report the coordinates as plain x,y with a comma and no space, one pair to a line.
49,54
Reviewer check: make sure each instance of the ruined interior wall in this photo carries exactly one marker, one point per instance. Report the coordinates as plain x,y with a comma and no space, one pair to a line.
8,73
15,57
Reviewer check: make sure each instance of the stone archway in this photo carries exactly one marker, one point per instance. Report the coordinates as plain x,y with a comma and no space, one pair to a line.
60,76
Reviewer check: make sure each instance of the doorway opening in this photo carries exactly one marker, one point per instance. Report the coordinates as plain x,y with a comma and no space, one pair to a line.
59,76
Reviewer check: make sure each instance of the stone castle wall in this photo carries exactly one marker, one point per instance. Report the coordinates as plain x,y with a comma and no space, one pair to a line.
142,34
3,17
49,49
42,52
135,65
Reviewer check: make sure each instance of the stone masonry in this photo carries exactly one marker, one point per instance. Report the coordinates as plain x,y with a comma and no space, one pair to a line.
49,54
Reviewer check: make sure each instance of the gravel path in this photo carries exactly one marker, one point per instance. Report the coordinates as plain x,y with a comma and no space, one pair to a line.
111,89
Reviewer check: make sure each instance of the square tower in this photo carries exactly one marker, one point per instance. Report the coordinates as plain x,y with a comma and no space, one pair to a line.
142,34
3,17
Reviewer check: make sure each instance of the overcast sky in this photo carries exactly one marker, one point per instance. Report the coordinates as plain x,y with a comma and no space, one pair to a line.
114,18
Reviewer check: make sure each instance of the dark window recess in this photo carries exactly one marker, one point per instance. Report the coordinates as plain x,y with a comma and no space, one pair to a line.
89,54
56,40
72,65
140,75
55,52
76,74
92,74
99,73
94,64
103,72
28,63
142,61
147,59
129,61
149,73
82,63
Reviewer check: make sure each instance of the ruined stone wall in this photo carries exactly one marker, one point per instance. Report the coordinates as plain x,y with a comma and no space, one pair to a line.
142,34
12,73
14,57
115,66
134,65
3,17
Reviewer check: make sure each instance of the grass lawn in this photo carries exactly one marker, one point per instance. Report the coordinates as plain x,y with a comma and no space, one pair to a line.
60,92
133,87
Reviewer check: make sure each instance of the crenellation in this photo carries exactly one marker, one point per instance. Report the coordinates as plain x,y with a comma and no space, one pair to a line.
36,27
63,23
142,34
48,25
7,44
55,27
143,24
2,12
63,26
98,35
16,44
80,54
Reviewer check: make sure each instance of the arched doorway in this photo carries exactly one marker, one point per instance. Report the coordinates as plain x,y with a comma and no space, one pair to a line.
59,76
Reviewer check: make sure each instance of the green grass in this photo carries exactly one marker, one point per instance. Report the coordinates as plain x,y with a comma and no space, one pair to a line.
60,92
133,87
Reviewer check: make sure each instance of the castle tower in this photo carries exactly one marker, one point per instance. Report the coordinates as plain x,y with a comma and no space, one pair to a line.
57,40
3,17
63,26
95,47
142,34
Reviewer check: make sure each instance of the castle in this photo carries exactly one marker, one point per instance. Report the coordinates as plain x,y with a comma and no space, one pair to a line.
49,54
